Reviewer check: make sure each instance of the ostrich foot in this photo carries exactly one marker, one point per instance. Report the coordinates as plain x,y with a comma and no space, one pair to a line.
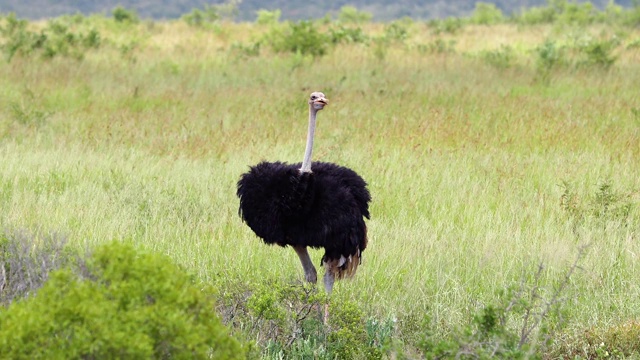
311,276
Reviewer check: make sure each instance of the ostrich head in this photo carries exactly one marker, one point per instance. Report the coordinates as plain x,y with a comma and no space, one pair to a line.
317,101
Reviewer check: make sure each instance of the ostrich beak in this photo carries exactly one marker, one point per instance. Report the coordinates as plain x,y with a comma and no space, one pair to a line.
322,101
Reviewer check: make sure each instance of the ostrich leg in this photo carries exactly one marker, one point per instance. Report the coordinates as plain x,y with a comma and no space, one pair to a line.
310,273
329,278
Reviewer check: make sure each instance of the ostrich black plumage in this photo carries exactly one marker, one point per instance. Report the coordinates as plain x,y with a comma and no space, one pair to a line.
323,206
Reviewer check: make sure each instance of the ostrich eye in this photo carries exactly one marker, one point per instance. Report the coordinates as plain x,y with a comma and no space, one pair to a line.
313,97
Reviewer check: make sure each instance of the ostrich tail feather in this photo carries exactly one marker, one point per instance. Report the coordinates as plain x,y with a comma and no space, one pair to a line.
343,267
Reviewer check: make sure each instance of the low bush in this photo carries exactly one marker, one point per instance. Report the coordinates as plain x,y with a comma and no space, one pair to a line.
286,321
550,57
201,17
122,15
121,303
266,17
450,25
348,35
598,53
571,13
606,204
501,58
351,15
486,14
396,31
302,37
536,15
58,38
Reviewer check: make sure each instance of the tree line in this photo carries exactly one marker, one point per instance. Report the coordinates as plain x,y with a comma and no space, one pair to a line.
246,10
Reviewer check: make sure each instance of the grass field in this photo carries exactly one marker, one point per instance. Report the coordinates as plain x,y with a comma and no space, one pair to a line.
481,165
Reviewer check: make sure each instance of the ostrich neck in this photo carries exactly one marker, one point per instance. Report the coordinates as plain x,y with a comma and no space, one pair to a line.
306,163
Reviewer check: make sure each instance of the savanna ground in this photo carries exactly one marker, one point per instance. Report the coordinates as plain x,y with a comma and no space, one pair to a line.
502,160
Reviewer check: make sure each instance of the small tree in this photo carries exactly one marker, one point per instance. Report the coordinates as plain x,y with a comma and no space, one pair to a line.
123,15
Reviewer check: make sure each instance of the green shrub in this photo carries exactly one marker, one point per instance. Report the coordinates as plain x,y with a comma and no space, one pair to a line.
396,31
348,335
501,58
341,34
598,52
379,337
549,57
450,25
58,38
571,13
18,40
124,304
122,15
62,40
228,10
486,14
266,17
632,16
301,37
536,15
351,15
604,205
610,204
574,13
560,12
286,321
199,17
612,14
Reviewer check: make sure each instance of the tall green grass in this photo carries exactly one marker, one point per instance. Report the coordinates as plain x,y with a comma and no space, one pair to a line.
470,166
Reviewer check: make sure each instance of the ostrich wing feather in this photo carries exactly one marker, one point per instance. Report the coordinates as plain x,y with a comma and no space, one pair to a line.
271,193
325,208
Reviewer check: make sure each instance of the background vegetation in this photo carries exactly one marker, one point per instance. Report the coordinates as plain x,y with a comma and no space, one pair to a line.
245,10
501,152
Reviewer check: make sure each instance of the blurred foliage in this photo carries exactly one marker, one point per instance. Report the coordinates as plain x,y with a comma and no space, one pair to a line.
351,15
381,10
266,17
302,37
60,37
486,14
122,15
200,17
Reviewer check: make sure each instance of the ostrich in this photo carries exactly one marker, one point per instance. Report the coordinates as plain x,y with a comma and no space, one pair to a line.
289,204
